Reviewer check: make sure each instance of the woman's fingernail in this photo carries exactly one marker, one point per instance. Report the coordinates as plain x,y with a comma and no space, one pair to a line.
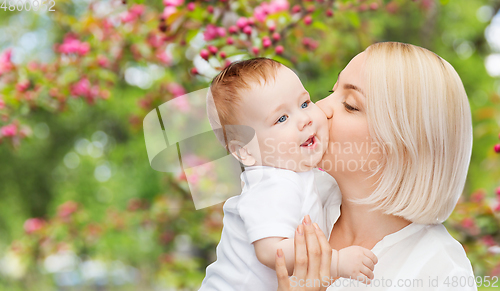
280,253
307,220
316,225
300,230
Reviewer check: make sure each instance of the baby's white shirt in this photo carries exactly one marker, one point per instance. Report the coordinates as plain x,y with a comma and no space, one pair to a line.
273,203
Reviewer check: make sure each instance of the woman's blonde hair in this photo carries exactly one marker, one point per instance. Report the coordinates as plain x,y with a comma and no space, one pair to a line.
419,115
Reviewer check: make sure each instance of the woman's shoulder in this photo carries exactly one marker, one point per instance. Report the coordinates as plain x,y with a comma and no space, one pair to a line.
434,246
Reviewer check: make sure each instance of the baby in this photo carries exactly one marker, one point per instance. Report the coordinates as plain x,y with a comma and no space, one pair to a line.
279,136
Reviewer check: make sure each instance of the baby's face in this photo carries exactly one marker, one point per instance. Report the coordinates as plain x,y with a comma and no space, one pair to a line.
292,131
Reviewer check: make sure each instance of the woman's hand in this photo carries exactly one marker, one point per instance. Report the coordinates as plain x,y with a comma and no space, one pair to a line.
313,256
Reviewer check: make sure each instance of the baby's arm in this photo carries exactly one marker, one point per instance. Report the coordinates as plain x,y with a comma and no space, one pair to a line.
266,248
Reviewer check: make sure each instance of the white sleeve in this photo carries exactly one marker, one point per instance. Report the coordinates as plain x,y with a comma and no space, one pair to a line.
457,279
327,187
272,208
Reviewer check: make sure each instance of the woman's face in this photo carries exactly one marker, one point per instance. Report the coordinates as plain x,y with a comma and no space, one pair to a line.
350,144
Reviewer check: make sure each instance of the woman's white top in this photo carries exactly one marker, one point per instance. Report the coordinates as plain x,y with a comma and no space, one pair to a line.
417,257
273,203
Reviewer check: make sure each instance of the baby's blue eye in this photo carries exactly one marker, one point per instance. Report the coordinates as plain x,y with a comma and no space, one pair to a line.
282,118
304,105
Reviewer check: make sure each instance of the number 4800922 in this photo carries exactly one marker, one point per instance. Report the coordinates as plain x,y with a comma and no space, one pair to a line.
27,5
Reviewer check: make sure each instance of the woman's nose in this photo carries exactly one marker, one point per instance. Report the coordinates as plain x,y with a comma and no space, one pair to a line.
325,106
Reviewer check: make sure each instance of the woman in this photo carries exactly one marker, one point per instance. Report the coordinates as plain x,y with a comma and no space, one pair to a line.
400,147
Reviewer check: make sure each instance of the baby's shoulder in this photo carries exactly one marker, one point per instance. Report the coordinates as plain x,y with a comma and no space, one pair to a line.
268,177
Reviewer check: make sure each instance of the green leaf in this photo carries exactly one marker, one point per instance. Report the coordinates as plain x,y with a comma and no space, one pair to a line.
69,76
191,34
282,60
320,25
353,18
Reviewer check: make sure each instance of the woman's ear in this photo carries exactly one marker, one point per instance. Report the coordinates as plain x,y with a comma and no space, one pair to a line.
240,151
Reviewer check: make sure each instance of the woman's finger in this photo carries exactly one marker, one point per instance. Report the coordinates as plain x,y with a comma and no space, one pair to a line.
281,271
300,266
369,263
313,248
326,253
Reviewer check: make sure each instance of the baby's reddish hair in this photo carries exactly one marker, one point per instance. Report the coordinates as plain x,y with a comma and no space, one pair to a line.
226,89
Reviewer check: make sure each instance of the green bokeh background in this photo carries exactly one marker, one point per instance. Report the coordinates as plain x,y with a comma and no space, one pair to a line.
34,180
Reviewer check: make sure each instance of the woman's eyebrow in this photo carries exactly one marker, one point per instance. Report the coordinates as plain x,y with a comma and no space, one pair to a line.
353,87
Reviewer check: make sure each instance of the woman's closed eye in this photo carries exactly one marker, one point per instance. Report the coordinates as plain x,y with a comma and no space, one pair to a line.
349,107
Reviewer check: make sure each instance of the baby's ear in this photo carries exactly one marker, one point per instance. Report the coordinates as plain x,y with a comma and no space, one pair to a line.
240,151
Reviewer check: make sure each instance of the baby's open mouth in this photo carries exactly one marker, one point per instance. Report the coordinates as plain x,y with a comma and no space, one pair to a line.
310,142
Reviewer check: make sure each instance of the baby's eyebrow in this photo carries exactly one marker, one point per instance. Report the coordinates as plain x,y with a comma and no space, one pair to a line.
277,109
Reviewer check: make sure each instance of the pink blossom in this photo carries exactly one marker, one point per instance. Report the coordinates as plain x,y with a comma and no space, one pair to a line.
279,49
176,89
2,104
247,30
221,31
260,12
477,196
169,10
173,2
33,224
164,57
137,9
242,22
23,86
72,45
102,61
279,5
6,56
193,178
271,26
468,222
81,88
263,10
233,29
266,42
488,240
181,103
191,160
5,63
33,66
155,40
84,48
191,6
67,208
9,130
210,32
127,16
